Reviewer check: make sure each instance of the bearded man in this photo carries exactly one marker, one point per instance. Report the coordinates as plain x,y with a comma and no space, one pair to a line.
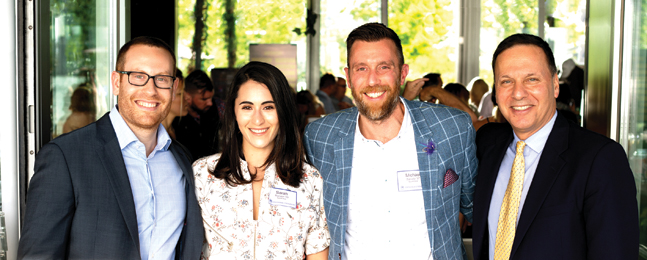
397,172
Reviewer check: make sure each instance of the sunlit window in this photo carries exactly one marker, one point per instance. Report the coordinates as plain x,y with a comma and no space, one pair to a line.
231,26
338,19
429,34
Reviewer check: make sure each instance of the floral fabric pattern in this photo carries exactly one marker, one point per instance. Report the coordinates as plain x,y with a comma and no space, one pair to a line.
281,232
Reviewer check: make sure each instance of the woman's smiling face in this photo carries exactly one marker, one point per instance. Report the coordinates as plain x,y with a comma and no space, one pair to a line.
256,117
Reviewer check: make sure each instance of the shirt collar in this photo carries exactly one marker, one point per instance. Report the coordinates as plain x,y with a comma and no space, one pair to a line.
406,123
126,136
537,141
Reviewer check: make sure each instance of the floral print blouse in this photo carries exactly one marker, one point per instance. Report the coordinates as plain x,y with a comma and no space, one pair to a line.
283,230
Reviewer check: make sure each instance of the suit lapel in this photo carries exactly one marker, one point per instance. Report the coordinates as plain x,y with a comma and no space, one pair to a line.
113,163
489,164
547,171
344,159
427,164
180,158
499,148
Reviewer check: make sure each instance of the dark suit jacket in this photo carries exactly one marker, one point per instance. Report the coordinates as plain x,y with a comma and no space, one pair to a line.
80,204
581,203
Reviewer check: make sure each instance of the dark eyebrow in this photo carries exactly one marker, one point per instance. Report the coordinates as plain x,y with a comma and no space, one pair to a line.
250,103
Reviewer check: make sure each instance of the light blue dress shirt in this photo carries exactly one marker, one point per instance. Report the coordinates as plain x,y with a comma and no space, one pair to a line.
158,188
531,154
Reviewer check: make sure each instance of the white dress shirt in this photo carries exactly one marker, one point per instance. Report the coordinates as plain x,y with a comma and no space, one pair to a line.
531,154
386,215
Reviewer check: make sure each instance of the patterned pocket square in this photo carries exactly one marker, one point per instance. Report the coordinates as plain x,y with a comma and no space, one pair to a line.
450,178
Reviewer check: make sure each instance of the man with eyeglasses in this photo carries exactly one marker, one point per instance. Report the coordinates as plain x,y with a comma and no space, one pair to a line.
119,188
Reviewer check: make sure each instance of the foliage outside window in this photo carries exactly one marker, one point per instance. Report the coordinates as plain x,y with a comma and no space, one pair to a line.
564,28
338,19
500,19
428,31
429,34
254,21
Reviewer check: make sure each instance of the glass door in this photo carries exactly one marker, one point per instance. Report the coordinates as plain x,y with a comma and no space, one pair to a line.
75,65
633,106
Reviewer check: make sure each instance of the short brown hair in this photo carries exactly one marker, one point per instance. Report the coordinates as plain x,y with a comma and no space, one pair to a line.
373,32
143,40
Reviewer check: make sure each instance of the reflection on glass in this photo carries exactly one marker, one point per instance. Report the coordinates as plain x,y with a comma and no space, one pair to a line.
79,58
633,131
565,29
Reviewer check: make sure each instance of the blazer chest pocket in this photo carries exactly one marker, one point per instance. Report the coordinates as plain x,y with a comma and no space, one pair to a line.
451,191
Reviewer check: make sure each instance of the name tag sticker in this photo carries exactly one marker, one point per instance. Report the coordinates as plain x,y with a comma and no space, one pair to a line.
285,198
409,181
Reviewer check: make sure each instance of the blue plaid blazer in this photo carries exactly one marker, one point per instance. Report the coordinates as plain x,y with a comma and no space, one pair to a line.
329,143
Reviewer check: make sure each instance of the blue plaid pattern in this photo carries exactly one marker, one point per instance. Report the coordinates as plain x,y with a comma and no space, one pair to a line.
329,143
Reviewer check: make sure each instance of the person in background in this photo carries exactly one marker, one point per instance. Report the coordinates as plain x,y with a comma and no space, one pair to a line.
119,188
179,106
478,88
198,130
547,188
463,95
308,108
397,172
260,198
327,88
84,110
432,93
340,100
459,91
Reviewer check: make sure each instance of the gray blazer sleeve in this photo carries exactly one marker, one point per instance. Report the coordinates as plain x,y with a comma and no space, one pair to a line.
50,208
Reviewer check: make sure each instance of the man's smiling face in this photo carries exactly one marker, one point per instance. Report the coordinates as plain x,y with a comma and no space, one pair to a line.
144,107
375,76
525,89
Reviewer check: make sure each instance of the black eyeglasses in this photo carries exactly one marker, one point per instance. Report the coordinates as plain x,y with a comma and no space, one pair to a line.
140,79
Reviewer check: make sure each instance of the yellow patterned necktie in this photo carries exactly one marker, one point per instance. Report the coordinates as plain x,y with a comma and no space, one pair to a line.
508,215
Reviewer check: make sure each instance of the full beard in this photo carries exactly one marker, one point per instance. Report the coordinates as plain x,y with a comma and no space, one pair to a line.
376,112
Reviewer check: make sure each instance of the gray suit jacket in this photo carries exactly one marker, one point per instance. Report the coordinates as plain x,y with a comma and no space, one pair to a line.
80,204
329,143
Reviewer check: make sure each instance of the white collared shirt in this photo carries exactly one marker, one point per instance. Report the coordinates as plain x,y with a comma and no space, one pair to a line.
531,154
386,215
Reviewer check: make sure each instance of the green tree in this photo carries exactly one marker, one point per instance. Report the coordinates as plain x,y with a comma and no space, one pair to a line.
270,22
186,30
512,16
425,29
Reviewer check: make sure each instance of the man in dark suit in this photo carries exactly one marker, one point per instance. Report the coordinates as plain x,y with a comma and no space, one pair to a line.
547,188
119,188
